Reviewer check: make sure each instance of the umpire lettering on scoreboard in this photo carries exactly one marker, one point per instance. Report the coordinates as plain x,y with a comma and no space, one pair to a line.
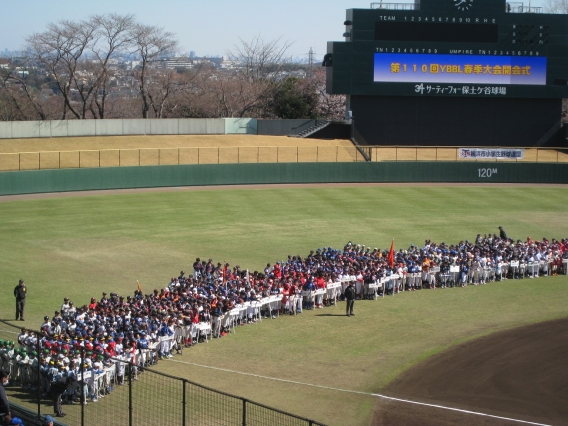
20,293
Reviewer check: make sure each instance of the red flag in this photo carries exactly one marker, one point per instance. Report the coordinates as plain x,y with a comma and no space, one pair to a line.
391,255
224,272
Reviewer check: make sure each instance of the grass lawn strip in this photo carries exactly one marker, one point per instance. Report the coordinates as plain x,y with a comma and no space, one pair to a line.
79,247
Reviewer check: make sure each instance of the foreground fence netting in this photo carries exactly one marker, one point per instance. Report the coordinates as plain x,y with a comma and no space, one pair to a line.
120,391
249,154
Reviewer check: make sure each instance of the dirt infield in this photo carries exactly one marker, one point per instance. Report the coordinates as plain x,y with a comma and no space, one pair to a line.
520,374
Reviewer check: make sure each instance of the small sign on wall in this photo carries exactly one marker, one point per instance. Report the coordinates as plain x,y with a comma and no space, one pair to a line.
476,153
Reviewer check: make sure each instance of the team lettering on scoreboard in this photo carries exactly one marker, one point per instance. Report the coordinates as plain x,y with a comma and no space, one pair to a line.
427,89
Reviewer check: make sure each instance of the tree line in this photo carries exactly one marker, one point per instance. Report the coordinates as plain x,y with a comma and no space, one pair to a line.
112,66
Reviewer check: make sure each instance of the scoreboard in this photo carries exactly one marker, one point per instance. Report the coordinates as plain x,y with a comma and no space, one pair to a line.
452,73
463,48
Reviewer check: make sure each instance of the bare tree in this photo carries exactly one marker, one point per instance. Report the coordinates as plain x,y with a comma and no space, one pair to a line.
59,50
152,43
204,95
20,100
114,36
556,6
261,70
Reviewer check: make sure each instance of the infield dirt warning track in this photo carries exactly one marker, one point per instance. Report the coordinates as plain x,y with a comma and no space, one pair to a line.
520,374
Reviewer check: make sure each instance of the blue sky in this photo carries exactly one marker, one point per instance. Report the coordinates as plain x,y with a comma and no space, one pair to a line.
208,27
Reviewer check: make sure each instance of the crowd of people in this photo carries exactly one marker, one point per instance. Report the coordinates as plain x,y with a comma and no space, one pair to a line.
106,336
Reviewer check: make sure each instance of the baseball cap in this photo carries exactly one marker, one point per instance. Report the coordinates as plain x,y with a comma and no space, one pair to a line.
48,419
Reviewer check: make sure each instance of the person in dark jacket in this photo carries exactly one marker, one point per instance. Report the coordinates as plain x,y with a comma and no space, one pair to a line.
4,404
58,387
350,299
502,233
20,294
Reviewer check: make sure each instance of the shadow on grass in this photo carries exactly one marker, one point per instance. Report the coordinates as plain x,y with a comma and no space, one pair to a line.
330,315
25,395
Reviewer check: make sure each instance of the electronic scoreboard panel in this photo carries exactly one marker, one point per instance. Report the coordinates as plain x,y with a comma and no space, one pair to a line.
451,48
480,72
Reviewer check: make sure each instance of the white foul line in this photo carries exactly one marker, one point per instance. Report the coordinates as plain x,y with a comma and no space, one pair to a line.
10,332
360,393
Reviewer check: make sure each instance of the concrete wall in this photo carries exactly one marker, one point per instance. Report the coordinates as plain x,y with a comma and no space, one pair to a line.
109,127
5,129
248,126
152,126
118,127
25,129
58,128
25,182
81,128
202,126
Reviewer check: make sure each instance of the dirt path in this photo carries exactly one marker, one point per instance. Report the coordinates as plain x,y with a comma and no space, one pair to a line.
252,187
520,374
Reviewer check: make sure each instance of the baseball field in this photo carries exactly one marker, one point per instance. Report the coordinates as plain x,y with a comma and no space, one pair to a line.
79,246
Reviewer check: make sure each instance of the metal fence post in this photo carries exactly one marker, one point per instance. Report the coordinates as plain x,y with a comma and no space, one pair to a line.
83,397
130,368
39,357
184,402
244,412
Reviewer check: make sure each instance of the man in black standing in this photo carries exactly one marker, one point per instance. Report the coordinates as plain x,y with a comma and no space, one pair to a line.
350,299
20,294
502,233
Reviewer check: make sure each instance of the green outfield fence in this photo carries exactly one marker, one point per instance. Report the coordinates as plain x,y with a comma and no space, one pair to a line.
44,181
147,397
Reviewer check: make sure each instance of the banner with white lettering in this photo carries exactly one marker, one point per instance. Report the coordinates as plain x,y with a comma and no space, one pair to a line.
493,153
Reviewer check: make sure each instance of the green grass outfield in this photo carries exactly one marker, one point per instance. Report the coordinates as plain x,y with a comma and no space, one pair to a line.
79,247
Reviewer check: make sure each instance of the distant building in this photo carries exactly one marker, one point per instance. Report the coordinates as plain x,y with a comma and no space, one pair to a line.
229,64
177,62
